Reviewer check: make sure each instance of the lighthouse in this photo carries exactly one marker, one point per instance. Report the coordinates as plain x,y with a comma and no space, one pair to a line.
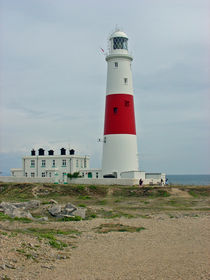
119,143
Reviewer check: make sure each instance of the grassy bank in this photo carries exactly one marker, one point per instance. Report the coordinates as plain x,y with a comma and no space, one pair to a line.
112,201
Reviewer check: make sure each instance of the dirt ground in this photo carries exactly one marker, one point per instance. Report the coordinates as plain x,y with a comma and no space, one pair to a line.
168,248
129,233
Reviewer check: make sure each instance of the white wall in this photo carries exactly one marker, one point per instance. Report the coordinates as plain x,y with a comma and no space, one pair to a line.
12,179
133,175
119,154
115,75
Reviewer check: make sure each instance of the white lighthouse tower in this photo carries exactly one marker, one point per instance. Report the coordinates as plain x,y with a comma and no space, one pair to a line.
119,143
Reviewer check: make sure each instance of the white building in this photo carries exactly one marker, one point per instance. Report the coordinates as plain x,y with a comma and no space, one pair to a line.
52,166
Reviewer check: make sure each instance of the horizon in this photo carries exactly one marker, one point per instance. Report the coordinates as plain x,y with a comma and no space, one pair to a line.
53,77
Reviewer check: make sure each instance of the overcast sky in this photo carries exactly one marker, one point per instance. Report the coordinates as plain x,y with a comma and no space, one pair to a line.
53,79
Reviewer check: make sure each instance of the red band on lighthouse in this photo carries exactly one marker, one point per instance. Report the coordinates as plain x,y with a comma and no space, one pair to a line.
119,114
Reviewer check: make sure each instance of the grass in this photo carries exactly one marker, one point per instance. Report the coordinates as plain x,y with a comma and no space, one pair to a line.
84,197
49,234
110,227
4,217
82,205
102,202
68,219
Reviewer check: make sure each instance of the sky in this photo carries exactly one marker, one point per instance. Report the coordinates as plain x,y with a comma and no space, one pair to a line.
53,79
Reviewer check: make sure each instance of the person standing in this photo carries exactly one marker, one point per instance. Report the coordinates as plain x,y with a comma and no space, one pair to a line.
140,182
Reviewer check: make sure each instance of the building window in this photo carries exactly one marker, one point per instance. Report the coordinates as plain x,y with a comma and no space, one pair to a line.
77,163
64,162
90,175
85,163
50,175
125,80
115,109
96,174
32,163
53,163
83,174
127,103
26,174
43,163
32,174
116,64
43,174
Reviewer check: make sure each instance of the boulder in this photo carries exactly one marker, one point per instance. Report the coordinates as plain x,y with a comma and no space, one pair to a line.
69,210
55,210
80,211
15,212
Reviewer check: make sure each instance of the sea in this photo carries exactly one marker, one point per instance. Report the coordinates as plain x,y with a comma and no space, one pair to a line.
201,180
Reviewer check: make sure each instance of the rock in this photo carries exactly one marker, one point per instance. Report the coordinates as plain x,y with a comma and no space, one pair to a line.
11,266
69,210
3,266
32,204
70,206
15,212
42,219
7,205
80,211
55,210
52,201
24,205
48,266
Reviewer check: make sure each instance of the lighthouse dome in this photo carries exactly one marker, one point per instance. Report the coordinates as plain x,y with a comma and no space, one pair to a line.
118,33
118,43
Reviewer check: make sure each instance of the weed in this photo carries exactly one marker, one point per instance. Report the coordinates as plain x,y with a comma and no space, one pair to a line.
84,197
163,193
67,219
102,202
3,233
81,188
22,251
57,244
93,216
92,188
117,200
82,205
45,202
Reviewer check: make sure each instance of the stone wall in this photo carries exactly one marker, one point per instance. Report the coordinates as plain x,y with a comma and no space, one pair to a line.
13,179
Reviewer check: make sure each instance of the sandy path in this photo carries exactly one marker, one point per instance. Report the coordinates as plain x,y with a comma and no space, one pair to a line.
167,249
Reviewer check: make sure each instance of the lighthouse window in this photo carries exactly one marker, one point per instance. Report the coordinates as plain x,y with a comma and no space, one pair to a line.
127,103
125,80
116,64
120,43
115,109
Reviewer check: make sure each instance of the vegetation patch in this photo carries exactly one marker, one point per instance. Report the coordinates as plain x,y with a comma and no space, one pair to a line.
84,197
74,219
105,228
50,234
4,217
